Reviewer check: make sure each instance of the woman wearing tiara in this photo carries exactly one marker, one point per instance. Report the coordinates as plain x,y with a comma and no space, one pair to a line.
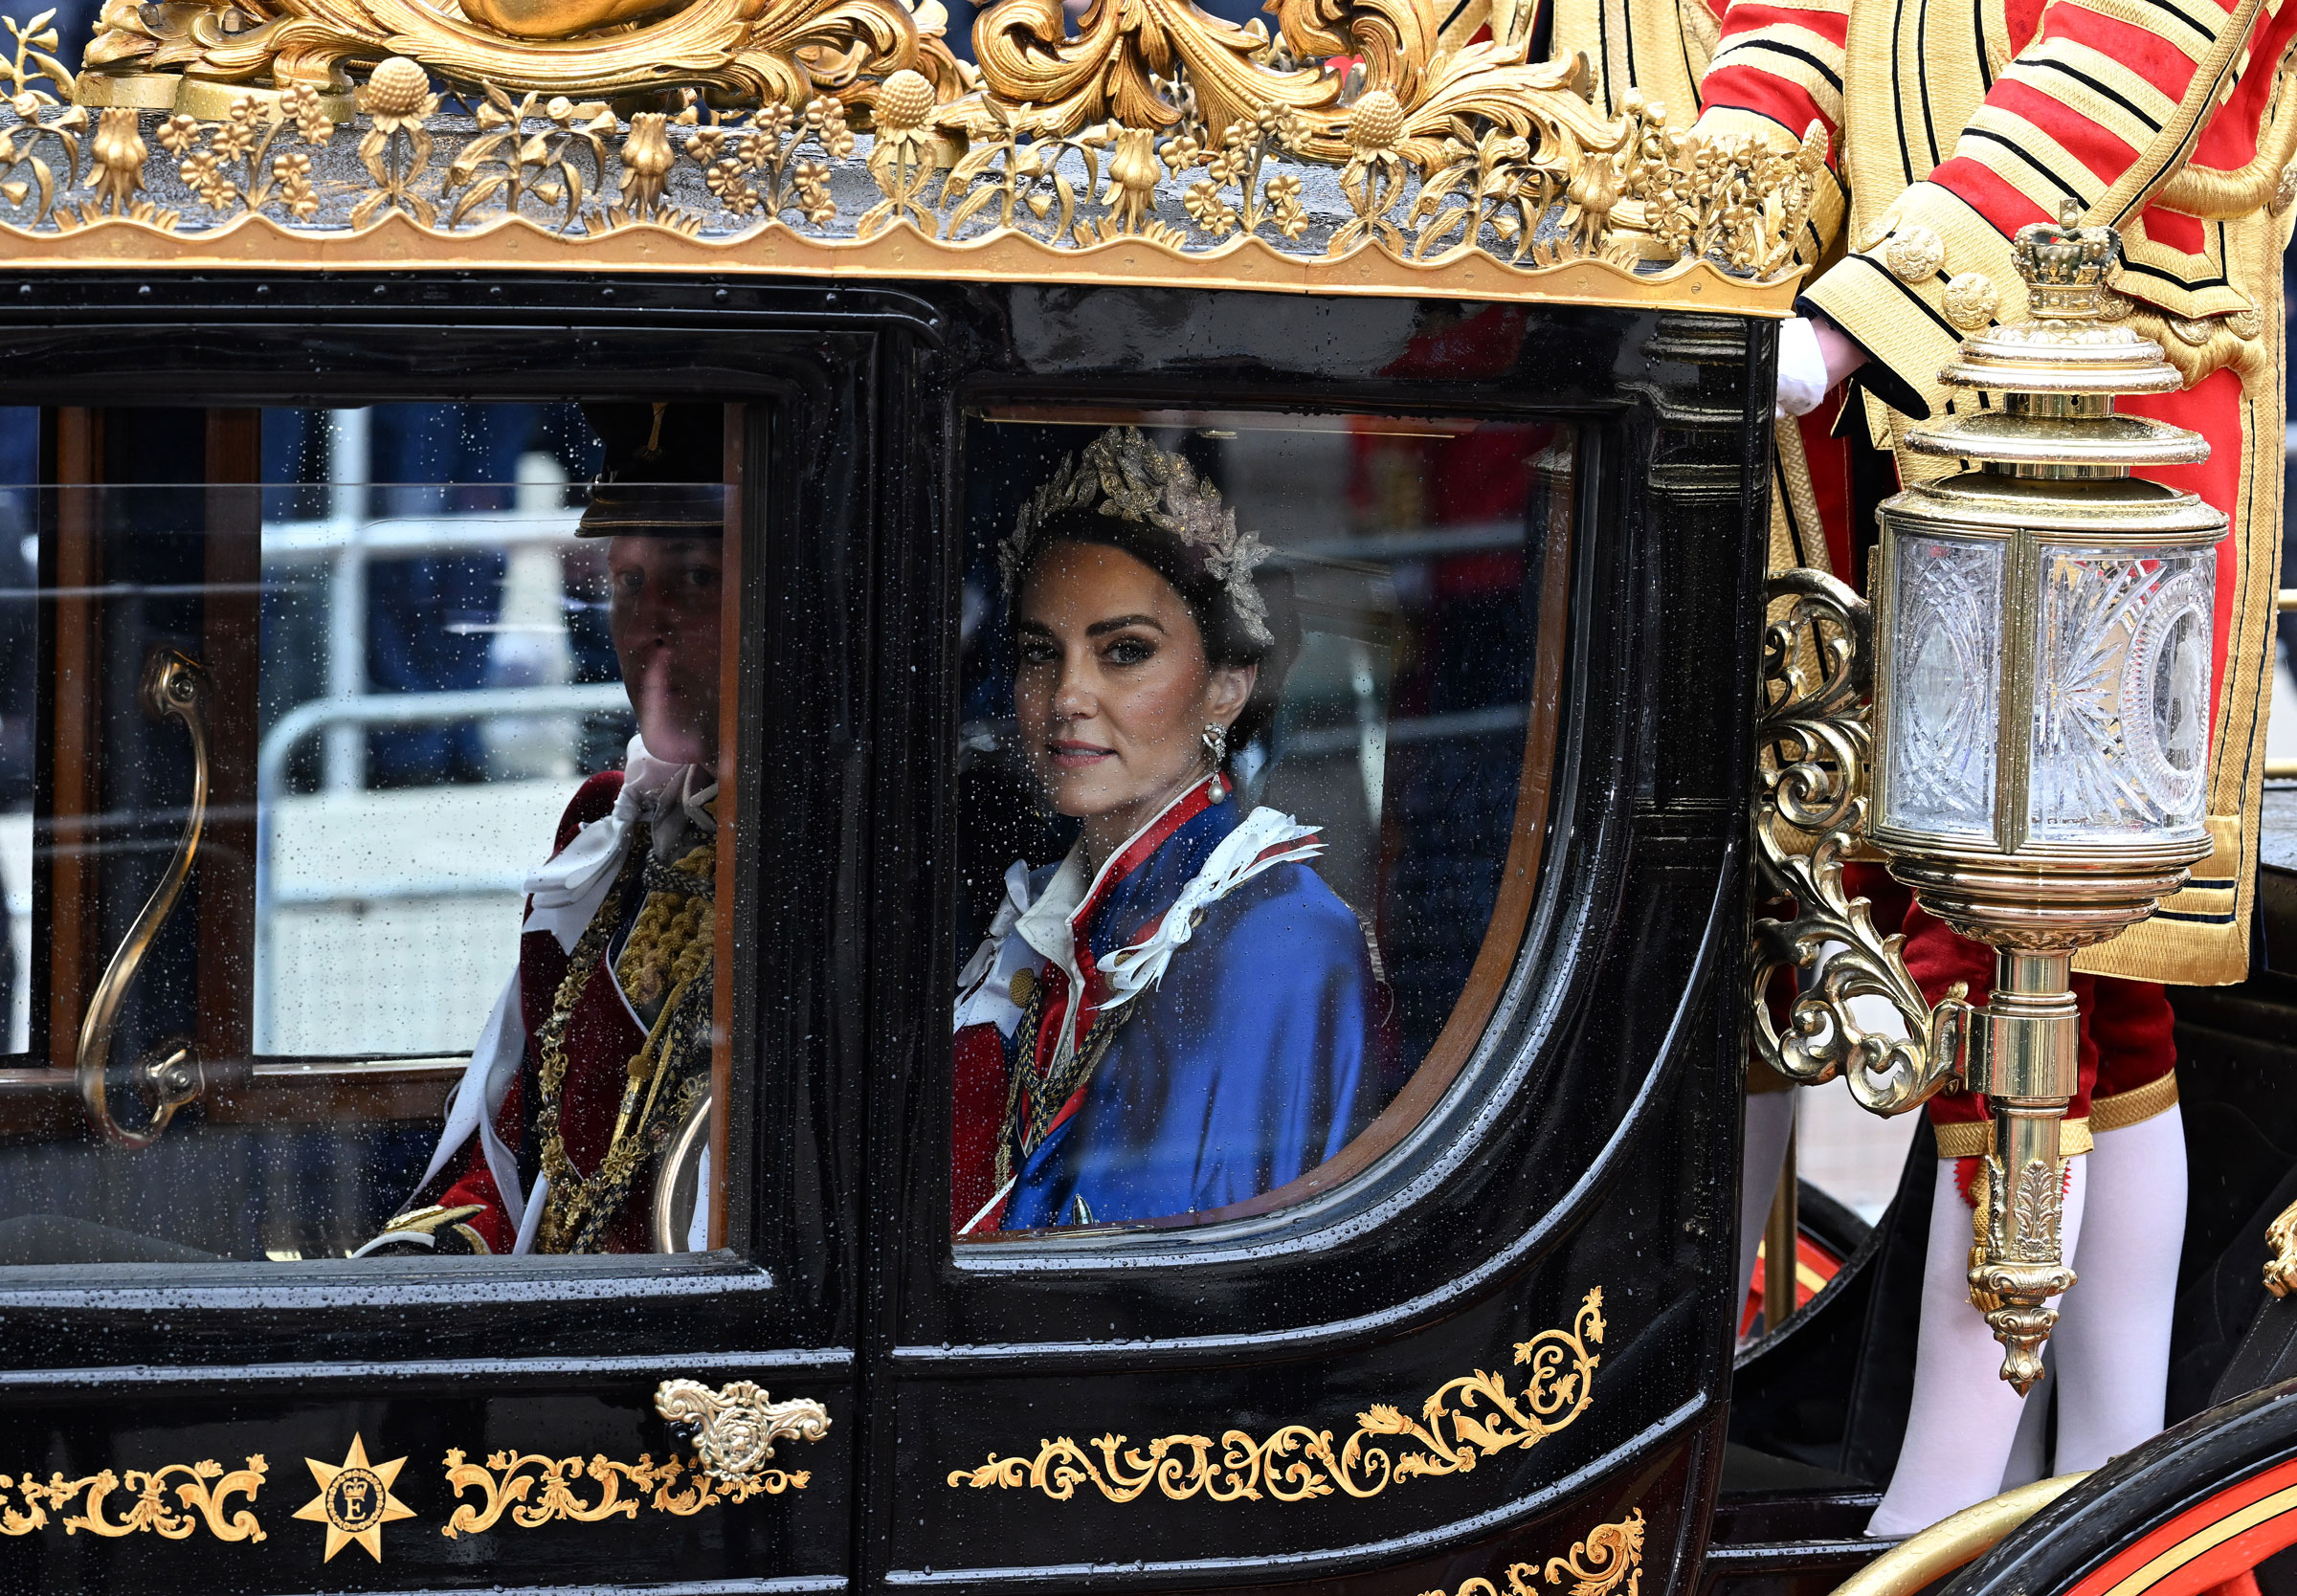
1180,1014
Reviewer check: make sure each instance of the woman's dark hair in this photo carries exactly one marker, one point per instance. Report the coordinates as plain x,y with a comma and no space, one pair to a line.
1228,639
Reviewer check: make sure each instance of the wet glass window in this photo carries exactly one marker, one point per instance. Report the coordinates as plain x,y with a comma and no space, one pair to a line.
363,779
1251,792
20,697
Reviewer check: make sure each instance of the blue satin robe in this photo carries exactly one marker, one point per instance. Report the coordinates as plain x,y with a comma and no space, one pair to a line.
1253,1060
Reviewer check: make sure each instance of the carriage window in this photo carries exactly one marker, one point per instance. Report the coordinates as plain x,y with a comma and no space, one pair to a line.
376,831
1251,788
19,690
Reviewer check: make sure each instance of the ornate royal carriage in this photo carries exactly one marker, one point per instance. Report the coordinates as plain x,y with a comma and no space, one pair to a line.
1494,371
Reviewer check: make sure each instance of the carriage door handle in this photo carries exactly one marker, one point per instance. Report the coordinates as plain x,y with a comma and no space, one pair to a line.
173,685
736,1426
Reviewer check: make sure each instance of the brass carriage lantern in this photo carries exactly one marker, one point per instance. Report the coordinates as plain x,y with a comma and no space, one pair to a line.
2041,712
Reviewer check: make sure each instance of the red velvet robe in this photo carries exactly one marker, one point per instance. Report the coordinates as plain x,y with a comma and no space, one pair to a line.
601,1037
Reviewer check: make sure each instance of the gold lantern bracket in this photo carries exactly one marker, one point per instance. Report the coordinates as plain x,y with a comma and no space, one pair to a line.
2019,859
1860,1014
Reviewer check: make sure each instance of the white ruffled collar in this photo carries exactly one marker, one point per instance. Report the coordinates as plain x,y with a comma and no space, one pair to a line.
1050,924
563,893
1045,927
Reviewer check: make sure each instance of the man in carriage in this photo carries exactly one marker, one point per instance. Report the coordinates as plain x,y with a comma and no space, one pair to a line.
598,1050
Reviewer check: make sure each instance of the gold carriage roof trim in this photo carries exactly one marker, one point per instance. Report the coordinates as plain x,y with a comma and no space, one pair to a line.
1350,154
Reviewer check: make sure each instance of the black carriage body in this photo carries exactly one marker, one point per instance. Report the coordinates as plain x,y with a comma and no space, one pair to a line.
1574,1190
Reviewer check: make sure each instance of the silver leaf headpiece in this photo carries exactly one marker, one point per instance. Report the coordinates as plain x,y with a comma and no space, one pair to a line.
1129,479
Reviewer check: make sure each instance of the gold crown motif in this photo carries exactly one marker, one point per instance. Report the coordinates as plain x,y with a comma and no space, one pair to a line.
2066,266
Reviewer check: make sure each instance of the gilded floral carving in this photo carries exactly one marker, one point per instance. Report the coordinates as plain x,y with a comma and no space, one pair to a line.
1462,1421
173,1501
536,1488
1729,199
736,1425
1152,123
507,164
47,134
1610,1558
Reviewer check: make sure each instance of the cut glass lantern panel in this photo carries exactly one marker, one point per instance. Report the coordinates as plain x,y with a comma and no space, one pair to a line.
2121,704
1945,684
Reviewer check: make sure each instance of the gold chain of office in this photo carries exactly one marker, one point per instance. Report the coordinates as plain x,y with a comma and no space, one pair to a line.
666,957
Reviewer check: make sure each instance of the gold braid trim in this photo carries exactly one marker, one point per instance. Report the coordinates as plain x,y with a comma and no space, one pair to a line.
2201,348
2136,1106
2216,194
1787,551
669,945
1974,1139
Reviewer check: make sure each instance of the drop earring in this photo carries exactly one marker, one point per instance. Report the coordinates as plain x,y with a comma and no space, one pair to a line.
1216,743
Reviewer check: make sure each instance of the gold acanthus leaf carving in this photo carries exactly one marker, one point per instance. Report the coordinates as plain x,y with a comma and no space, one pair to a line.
1611,1556
1397,43
1498,140
1126,57
1463,1420
2281,1240
1443,151
1495,157
537,1489
1494,82
736,1425
202,1495
756,50
1124,52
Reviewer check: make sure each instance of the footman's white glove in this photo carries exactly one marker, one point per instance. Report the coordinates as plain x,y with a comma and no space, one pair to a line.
1802,375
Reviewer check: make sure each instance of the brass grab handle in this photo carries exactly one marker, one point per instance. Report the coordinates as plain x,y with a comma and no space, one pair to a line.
174,684
736,1426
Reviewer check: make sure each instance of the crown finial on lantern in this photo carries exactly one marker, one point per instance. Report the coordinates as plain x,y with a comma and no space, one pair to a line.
2066,265
2059,367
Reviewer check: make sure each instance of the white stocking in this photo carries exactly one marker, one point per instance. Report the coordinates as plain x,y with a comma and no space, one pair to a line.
1769,1118
1965,1417
2113,1342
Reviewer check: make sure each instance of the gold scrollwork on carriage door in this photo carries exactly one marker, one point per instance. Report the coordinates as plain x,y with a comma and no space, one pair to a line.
508,1479
201,1491
1610,1557
1462,1419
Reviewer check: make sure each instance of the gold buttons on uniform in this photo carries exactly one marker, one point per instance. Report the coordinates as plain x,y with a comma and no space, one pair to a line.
1972,299
1915,255
1023,987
